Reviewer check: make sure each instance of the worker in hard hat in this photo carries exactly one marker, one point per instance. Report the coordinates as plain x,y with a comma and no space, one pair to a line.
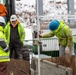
15,34
64,34
4,49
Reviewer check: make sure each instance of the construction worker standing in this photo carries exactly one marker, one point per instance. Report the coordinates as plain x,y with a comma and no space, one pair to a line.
15,35
65,37
4,50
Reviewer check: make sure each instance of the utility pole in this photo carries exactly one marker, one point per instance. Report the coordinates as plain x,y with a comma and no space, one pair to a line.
39,9
70,5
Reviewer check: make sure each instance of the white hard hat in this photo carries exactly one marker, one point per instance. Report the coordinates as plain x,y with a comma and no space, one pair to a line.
2,20
13,18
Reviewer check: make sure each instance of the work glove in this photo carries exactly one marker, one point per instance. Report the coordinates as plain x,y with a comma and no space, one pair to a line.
67,50
4,45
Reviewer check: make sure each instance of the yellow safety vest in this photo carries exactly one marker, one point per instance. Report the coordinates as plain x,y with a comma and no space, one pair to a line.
4,56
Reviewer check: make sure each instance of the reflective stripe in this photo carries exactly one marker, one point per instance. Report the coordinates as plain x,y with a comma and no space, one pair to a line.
1,39
4,57
6,48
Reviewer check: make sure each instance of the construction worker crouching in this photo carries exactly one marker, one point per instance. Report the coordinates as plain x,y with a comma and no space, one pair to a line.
15,35
4,50
65,37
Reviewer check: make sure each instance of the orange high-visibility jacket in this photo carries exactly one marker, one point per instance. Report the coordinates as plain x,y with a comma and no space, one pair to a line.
3,10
